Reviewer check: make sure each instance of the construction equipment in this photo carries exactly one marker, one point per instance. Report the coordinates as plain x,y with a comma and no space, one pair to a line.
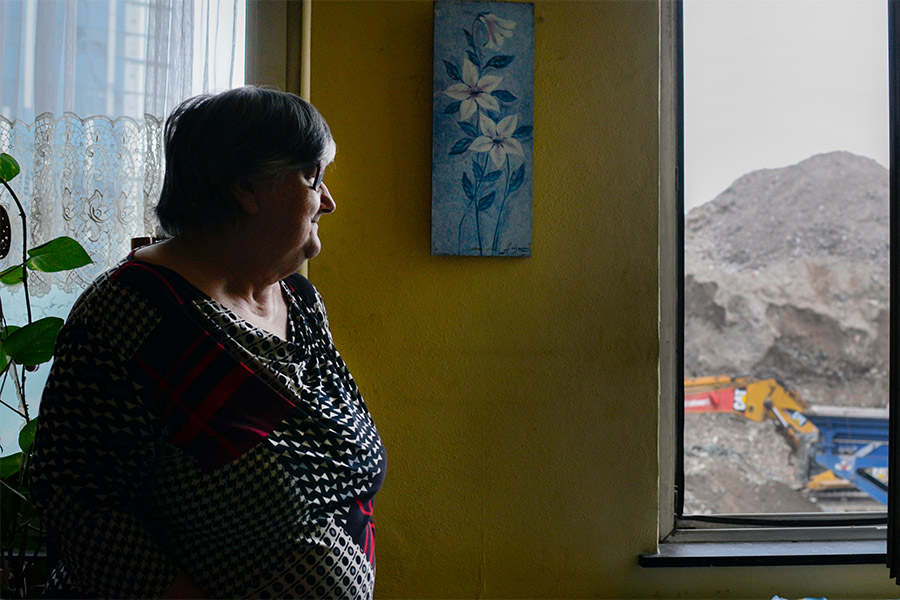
853,445
837,447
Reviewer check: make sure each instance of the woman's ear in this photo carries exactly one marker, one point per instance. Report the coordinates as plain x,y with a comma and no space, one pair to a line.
244,192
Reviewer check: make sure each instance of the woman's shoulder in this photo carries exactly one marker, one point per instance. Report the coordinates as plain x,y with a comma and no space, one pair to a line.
95,293
112,310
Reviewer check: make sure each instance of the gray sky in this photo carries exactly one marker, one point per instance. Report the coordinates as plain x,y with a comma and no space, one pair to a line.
769,83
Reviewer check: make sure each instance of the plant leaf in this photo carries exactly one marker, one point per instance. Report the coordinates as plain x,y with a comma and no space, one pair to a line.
461,146
493,175
452,107
452,71
515,182
4,359
26,436
522,132
468,188
486,201
60,254
11,275
468,128
10,465
474,58
503,96
34,343
499,62
9,168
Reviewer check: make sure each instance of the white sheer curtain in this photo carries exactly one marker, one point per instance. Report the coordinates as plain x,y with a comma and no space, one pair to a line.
86,86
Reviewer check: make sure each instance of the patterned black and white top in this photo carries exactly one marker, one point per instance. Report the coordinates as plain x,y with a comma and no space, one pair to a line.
174,436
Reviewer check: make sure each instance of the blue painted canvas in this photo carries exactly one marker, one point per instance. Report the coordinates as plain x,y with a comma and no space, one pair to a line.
482,128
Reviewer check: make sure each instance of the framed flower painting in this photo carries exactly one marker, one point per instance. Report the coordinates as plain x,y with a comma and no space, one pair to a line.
483,107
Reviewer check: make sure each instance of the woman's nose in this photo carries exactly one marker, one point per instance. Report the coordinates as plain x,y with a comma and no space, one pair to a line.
328,203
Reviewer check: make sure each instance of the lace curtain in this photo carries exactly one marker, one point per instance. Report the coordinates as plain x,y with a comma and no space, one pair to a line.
86,86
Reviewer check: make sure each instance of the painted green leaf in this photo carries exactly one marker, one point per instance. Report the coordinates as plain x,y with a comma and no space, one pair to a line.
470,39
504,96
461,146
60,254
452,107
468,128
515,182
34,343
9,168
499,62
468,188
26,436
522,132
11,275
477,169
452,71
9,465
486,202
493,175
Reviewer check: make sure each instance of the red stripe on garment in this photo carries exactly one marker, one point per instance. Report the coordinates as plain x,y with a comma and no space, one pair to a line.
199,418
173,398
362,508
370,532
204,362
160,381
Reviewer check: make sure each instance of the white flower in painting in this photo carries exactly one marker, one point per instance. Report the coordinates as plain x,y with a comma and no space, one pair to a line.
474,91
497,139
497,29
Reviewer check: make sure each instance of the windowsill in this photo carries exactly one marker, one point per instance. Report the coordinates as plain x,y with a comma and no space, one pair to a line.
766,553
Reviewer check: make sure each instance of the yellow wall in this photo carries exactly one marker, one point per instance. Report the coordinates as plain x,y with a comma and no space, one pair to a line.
517,397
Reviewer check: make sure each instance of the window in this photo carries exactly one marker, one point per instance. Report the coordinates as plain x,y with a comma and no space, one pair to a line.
86,88
683,515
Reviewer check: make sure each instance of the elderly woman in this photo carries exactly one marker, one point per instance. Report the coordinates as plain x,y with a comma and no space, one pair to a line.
199,434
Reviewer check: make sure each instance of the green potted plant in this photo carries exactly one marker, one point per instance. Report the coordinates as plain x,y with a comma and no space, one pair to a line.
22,348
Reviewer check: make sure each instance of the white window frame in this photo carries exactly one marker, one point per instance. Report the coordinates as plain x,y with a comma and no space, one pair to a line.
823,538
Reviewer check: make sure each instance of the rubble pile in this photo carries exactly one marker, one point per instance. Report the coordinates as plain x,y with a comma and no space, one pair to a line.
786,276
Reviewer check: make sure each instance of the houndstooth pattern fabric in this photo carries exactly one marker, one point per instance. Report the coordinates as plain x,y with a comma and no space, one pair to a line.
130,509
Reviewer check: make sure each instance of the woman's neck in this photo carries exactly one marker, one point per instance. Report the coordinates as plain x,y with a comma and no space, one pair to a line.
234,278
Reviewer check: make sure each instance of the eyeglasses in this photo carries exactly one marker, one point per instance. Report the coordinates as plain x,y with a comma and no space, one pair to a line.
320,173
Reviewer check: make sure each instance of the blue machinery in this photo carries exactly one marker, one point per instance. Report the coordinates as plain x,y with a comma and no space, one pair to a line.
854,448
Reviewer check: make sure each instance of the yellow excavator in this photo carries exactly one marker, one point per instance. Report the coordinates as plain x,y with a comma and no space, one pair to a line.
758,400
754,399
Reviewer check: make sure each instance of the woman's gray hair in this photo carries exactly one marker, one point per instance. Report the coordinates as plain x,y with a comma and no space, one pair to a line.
215,141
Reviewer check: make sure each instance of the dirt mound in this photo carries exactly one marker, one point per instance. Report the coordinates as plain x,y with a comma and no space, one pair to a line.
786,276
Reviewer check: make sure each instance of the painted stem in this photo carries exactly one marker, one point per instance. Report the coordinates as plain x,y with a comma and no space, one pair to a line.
500,211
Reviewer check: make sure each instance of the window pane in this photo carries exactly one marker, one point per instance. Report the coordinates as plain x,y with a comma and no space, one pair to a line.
110,63
786,335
